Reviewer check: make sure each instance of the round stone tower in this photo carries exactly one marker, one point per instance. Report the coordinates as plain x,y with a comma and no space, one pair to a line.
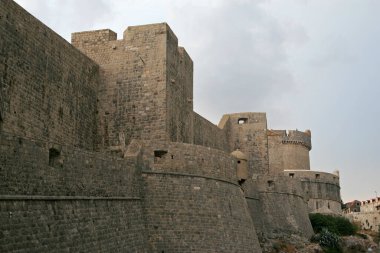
288,150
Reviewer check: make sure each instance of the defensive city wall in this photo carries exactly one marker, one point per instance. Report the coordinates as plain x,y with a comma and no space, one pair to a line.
100,150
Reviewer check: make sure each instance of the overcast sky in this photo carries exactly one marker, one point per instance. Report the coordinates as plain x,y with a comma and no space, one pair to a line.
309,64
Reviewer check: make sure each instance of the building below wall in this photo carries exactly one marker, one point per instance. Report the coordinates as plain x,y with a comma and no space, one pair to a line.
100,151
365,213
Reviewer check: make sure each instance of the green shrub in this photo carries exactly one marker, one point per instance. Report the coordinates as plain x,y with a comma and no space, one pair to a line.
337,225
329,241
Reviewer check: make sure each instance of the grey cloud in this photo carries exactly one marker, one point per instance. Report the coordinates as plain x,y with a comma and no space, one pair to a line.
64,16
240,57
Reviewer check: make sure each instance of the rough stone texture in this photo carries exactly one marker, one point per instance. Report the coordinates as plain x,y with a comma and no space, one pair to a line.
368,215
101,150
209,135
27,169
247,132
281,193
48,88
71,226
288,150
146,84
322,190
193,200
368,220
132,95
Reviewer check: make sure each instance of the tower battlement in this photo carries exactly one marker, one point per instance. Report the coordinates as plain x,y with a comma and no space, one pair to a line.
293,137
100,144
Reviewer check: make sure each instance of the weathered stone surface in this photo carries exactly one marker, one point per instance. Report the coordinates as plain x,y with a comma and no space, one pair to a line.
101,151
48,89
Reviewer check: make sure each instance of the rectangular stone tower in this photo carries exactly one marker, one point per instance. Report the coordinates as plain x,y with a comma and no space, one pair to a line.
146,84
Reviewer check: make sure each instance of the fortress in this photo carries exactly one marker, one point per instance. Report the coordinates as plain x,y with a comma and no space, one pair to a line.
100,151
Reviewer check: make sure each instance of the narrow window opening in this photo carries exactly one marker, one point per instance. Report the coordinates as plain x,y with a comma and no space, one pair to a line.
291,175
270,183
241,182
242,121
53,157
172,156
60,112
159,154
316,205
317,176
328,205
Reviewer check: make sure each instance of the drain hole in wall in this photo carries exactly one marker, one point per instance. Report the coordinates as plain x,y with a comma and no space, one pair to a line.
53,156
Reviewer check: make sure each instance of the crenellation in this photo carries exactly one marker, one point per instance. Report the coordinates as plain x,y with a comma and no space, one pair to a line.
101,150
298,137
83,39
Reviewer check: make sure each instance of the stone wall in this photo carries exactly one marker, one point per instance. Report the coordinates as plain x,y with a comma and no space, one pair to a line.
283,207
179,86
248,132
147,84
370,205
132,96
59,198
48,88
193,201
209,135
37,168
367,220
288,150
322,190
71,225
252,197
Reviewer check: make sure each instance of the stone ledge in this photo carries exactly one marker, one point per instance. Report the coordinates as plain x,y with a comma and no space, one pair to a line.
40,197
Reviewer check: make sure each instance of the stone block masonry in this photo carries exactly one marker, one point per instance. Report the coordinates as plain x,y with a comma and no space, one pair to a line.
65,199
48,88
146,87
288,150
101,151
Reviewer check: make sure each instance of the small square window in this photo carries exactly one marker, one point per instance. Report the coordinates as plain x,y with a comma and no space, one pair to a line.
242,121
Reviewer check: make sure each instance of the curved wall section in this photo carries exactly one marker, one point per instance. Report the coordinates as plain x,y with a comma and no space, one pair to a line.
288,150
322,190
188,159
283,203
193,202
252,198
67,199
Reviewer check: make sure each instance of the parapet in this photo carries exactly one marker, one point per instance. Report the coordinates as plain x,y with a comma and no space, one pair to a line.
293,137
185,159
92,37
312,175
258,120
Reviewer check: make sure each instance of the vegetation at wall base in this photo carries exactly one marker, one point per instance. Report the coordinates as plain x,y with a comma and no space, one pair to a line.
337,225
329,241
